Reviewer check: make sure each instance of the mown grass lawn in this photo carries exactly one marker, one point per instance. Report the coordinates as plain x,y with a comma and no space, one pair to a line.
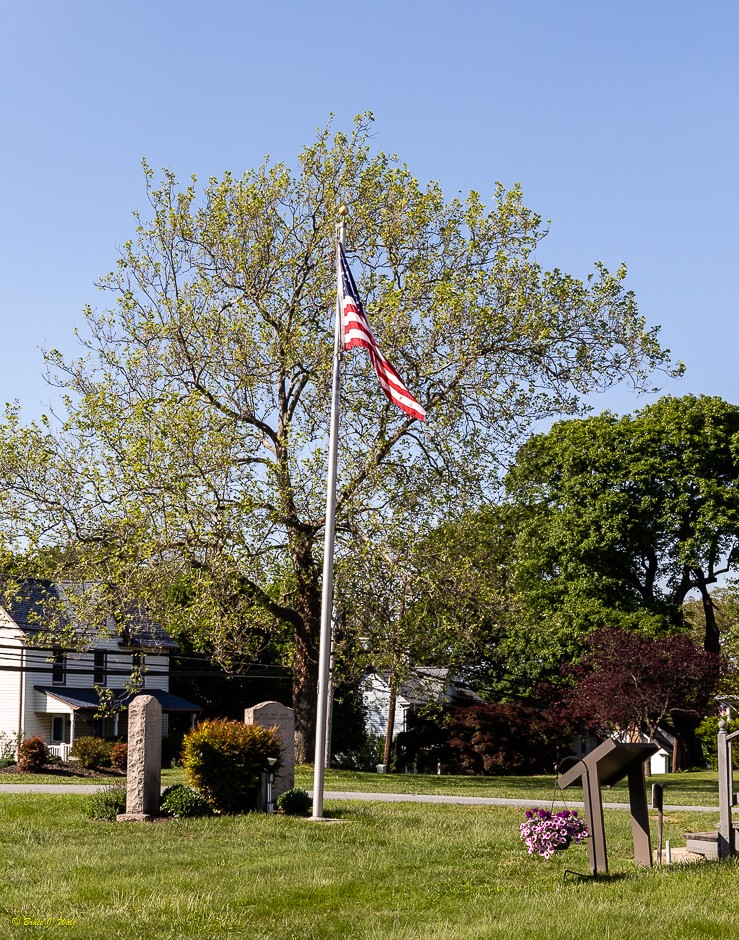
685,789
170,776
405,871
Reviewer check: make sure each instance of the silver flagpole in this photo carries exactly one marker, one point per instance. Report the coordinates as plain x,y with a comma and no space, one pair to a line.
328,548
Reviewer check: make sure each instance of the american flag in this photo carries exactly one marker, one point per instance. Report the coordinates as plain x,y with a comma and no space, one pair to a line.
356,331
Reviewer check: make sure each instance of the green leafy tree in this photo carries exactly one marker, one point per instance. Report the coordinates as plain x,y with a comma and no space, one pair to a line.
619,520
468,606
194,440
725,610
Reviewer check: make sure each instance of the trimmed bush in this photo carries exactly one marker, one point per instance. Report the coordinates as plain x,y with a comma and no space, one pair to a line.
32,755
183,803
119,756
91,752
107,803
7,762
222,760
295,802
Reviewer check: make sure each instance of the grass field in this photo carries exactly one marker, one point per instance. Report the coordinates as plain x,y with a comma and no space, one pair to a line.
170,776
687,789
406,871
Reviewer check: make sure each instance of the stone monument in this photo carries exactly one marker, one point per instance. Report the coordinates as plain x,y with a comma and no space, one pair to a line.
275,715
144,775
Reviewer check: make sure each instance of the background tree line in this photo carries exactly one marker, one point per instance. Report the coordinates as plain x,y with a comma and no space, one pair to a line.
609,561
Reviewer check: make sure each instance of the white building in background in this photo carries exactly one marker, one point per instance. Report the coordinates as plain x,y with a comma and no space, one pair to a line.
52,691
424,685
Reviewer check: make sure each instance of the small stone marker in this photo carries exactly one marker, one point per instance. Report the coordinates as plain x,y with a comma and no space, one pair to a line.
144,776
275,715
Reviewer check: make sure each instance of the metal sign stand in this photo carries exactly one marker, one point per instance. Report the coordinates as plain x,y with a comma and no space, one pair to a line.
610,762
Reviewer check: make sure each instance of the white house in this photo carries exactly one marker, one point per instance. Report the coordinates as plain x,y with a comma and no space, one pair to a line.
53,691
424,685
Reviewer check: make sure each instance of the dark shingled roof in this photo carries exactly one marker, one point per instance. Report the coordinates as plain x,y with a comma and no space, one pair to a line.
87,699
28,601
32,601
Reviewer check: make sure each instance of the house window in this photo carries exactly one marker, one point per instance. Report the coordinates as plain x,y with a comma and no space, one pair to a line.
99,670
57,729
58,667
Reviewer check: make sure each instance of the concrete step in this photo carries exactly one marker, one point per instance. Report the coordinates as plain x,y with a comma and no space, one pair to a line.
706,843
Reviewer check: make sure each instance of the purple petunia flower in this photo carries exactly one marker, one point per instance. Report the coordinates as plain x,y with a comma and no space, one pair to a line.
545,833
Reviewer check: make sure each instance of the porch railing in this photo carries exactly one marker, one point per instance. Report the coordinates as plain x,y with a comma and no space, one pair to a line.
60,750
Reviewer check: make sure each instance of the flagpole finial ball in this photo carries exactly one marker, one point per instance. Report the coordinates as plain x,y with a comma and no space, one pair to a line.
343,210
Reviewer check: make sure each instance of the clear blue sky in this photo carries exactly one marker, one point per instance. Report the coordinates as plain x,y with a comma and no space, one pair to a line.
620,118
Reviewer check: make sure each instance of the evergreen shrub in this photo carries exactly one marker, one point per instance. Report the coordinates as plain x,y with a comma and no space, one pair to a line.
183,802
91,752
32,755
295,802
222,760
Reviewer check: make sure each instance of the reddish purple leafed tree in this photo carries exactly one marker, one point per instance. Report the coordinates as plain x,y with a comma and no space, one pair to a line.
632,681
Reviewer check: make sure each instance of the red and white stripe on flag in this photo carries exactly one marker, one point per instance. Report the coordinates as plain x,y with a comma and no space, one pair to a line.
356,331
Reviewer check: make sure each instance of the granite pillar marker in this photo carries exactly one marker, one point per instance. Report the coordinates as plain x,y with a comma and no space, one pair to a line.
144,775
275,715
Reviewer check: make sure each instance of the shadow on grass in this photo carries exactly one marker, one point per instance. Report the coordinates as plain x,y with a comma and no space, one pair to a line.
600,878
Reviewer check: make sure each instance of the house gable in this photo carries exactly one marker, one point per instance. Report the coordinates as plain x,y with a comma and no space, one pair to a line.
48,682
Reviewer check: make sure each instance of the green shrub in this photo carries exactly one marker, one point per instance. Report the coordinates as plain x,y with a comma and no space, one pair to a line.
7,762
32,755
9,744
222,760
365,757
91,752
119,756
183,802
295,802
107,803
707,732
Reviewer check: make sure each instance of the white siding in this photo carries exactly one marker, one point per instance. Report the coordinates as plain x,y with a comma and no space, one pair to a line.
37,672
119,667
11,647
78,673
24,709
158,676
376,695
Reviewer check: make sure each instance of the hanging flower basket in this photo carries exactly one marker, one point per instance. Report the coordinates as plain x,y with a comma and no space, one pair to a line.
546,832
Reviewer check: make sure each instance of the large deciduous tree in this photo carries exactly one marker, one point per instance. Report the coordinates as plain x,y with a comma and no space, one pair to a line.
193,451
620,519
